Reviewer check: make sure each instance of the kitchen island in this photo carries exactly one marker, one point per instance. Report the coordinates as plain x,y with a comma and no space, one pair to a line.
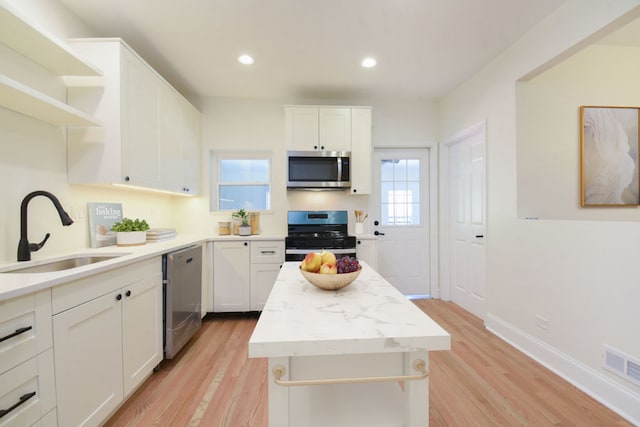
353,357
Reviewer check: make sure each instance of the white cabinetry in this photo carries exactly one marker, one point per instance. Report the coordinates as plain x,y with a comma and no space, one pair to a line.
107,334
179,142
231,276
334,129
244,273
151,135
25,38
267,257
318,128
27,382
366,251
361,150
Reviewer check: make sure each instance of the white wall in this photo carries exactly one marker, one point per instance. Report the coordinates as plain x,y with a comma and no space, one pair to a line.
549,134
579,275
256,124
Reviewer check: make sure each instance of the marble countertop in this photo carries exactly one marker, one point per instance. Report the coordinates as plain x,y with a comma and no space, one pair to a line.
16,284
368,316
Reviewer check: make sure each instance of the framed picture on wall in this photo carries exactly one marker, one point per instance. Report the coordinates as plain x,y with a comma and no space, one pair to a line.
609,170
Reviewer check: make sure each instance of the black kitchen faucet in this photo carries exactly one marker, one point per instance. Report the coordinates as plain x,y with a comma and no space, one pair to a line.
24,247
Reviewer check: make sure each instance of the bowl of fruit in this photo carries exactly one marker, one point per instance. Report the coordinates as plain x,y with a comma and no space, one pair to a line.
325,271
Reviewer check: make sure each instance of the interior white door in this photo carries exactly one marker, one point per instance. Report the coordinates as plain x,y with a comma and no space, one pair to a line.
467,221
401,219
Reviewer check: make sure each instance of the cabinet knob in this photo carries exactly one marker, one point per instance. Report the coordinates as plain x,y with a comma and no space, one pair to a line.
315,147
359,242
127,179
322,147
128,293
246,243
354,190
118,297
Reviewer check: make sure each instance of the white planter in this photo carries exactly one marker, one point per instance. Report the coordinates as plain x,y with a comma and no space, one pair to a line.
131,238
244,230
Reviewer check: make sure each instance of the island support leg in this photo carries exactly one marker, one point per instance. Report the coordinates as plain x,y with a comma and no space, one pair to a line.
278,396
416,393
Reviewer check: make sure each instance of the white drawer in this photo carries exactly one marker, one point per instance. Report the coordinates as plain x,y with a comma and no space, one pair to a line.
80,291
267,251
25,328
31,383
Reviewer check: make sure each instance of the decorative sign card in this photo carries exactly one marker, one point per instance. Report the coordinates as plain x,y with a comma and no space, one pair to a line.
101,217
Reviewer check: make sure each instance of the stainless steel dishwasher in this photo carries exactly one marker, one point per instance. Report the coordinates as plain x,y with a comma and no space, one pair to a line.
182,272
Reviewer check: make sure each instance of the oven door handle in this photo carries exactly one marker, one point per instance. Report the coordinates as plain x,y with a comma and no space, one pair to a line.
306,251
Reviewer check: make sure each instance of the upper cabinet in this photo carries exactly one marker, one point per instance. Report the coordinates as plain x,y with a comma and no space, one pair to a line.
318,128
333,129
25,38
151,134
361,150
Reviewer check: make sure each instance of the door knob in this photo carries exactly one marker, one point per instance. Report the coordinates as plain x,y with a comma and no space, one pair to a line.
376,222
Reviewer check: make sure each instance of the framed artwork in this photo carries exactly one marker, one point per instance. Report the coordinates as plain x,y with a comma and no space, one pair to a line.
609,156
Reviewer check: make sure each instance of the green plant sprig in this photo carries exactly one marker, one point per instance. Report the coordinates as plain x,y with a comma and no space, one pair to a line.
242,215
130,225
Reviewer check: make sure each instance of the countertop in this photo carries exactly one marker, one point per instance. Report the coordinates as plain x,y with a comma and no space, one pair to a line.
17,284
368,316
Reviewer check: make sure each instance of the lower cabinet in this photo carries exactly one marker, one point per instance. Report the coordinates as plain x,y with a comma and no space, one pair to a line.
27,383
244,273
366,251
106,345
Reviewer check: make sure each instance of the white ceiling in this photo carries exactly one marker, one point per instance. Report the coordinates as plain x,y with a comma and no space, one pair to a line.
312,48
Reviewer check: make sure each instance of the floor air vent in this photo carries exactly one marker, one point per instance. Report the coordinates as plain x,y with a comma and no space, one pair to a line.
622,364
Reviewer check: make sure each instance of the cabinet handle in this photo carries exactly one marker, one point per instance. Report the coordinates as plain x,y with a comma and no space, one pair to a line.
23,399
245,243
418,364
118,297
128,293
377,233
127,179
359,242
268,252
16,333
355,191
315,147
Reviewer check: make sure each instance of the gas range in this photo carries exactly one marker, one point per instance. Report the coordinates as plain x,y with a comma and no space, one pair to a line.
313,231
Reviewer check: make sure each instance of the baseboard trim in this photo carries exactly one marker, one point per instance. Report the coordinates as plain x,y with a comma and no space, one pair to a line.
624,402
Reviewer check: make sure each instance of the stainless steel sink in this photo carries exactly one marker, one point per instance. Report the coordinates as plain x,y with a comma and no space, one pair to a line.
62,264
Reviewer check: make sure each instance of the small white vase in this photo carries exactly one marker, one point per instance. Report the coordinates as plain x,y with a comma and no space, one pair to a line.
131,238
359,228
244,230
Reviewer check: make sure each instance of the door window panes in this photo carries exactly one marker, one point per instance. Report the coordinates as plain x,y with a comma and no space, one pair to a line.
400,192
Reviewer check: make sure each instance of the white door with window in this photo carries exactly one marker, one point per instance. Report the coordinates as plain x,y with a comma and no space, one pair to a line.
402,218
467,221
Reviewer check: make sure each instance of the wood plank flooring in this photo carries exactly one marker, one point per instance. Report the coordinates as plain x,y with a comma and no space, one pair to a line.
482,381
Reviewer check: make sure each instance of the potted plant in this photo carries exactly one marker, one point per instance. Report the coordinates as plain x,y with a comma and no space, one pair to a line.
242,216
130,232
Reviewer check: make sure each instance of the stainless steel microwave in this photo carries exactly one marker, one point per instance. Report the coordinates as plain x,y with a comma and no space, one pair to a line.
318,170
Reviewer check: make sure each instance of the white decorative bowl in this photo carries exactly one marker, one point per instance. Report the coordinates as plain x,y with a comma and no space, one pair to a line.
331,282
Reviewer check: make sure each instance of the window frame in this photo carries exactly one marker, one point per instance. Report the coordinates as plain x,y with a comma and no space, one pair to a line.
215,158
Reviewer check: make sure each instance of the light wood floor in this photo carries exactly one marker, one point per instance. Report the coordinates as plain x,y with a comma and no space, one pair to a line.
481,381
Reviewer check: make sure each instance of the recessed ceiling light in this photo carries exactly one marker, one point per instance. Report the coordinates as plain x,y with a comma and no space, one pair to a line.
368,62
245,59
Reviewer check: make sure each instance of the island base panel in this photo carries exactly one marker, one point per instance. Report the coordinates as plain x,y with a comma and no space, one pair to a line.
388,403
